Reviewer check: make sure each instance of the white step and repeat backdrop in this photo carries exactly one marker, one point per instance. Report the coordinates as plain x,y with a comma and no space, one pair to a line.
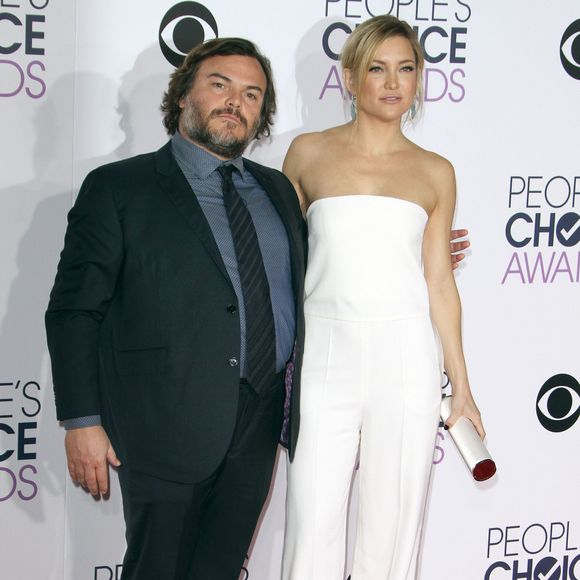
80,85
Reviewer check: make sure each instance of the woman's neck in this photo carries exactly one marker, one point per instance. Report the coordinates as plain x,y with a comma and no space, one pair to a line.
373,137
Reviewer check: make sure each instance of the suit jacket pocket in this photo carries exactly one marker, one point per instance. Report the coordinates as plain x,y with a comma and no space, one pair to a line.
142,361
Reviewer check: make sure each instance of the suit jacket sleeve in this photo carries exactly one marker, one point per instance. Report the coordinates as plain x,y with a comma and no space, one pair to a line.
82,292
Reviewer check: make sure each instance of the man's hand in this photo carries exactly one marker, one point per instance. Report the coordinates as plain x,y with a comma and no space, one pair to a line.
458,246
88,452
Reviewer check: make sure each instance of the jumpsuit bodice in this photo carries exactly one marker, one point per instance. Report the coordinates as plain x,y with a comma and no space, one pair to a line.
365,258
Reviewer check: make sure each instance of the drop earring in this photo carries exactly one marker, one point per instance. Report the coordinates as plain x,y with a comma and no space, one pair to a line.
413,111
353,109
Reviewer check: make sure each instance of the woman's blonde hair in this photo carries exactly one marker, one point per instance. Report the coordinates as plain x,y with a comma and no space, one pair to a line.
361,46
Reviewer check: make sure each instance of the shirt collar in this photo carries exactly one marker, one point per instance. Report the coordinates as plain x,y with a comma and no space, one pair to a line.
198,161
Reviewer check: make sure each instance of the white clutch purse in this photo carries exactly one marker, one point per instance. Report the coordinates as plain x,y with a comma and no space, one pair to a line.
469,444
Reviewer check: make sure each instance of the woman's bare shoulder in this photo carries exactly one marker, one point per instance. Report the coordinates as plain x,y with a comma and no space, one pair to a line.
309,143
438,168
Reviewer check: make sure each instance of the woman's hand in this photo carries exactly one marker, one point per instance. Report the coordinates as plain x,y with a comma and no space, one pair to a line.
463,405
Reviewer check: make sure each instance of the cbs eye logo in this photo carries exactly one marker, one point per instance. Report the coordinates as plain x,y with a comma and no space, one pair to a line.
558,403
183,27
570,50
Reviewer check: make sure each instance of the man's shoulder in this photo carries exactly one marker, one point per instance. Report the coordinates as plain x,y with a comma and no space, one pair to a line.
132,166
276,175
126,177
259,166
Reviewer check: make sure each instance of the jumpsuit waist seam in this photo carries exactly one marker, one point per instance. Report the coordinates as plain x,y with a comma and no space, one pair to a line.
426,314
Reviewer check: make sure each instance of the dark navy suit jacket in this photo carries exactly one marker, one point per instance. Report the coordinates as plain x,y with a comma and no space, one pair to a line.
140,326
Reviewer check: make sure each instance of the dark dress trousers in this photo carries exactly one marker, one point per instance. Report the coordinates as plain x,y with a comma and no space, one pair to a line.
142,323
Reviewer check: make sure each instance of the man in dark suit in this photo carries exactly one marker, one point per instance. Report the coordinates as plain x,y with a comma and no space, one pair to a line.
168,341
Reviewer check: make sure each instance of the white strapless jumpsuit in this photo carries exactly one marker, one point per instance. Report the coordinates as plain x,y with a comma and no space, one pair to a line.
371,385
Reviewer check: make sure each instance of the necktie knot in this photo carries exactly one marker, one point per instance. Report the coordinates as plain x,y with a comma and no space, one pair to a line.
226,171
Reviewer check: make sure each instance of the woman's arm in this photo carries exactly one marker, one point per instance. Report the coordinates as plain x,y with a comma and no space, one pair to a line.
293,167
443,295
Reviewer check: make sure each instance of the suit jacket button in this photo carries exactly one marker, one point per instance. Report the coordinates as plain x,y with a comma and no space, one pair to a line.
232,308
233,362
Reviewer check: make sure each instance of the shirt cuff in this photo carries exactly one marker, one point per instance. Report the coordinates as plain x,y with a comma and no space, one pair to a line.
80,422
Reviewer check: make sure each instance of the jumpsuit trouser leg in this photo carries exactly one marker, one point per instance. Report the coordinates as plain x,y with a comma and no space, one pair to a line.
373,386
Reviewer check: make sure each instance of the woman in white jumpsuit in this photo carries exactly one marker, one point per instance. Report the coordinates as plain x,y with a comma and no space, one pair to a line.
379,279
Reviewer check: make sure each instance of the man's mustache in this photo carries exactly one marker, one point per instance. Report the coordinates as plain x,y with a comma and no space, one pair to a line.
230,111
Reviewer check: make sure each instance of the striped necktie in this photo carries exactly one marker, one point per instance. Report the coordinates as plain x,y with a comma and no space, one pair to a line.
260,331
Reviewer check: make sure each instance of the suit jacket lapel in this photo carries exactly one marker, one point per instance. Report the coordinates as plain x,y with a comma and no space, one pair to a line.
281,206
175,185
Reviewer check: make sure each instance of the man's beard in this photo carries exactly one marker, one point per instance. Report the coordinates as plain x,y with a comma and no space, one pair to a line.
220,142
